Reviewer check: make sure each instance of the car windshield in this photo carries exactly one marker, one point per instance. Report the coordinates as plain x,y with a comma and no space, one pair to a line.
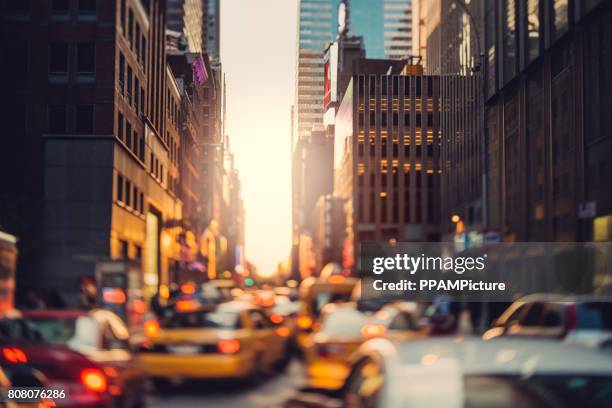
595,316
323,298
541,391
18,330
208,320
56,331
343,322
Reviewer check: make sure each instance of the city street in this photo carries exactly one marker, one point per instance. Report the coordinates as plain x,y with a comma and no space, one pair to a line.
270,392
413,196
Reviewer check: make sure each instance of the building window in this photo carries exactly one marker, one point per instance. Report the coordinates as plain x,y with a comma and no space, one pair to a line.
120,126
128,134
509,50
123,16
87,10
561,18
58,58
85,119
136,205
18,54
17,8
136,93
533,29
122,73
141,149
143,50
137,41
128,193
129,84
131,27
59,9
119,187
490,38
123,248
142,100
86,58
57,119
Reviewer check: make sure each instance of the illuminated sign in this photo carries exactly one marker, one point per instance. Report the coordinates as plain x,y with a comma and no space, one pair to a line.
331,76
327,86
199,71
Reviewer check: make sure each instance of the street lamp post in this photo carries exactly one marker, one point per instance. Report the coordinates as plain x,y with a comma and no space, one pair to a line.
484,167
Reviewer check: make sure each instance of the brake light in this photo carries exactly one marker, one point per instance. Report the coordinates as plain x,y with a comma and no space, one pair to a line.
283,332
93,379
14,355
114,295
276,318
138,306
186,305
188,288
304,322
151,328
372,330
228,346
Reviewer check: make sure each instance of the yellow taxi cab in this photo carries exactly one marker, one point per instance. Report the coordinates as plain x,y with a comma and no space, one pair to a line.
335,338
227,340
314,294
342,330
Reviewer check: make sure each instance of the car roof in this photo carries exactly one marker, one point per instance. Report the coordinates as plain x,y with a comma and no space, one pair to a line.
55,313
505,356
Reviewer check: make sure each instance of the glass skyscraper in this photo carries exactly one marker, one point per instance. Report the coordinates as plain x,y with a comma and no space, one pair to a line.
318,22
211,33
385,26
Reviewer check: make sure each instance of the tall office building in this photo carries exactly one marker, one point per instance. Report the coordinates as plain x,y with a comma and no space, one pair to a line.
317,28
386,155
210,31
386,28
548,140
193,25
88,174
385,25
185,21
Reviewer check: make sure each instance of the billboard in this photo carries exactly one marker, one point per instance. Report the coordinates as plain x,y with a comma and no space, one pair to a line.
330,86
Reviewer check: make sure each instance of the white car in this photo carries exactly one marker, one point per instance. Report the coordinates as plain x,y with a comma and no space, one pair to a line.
580,321
470,373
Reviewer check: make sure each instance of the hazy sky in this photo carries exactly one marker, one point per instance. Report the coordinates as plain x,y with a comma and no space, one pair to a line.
258,49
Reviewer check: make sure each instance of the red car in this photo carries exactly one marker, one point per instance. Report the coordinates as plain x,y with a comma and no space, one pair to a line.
95,352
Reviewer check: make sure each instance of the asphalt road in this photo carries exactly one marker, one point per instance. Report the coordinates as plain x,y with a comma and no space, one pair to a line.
269,392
